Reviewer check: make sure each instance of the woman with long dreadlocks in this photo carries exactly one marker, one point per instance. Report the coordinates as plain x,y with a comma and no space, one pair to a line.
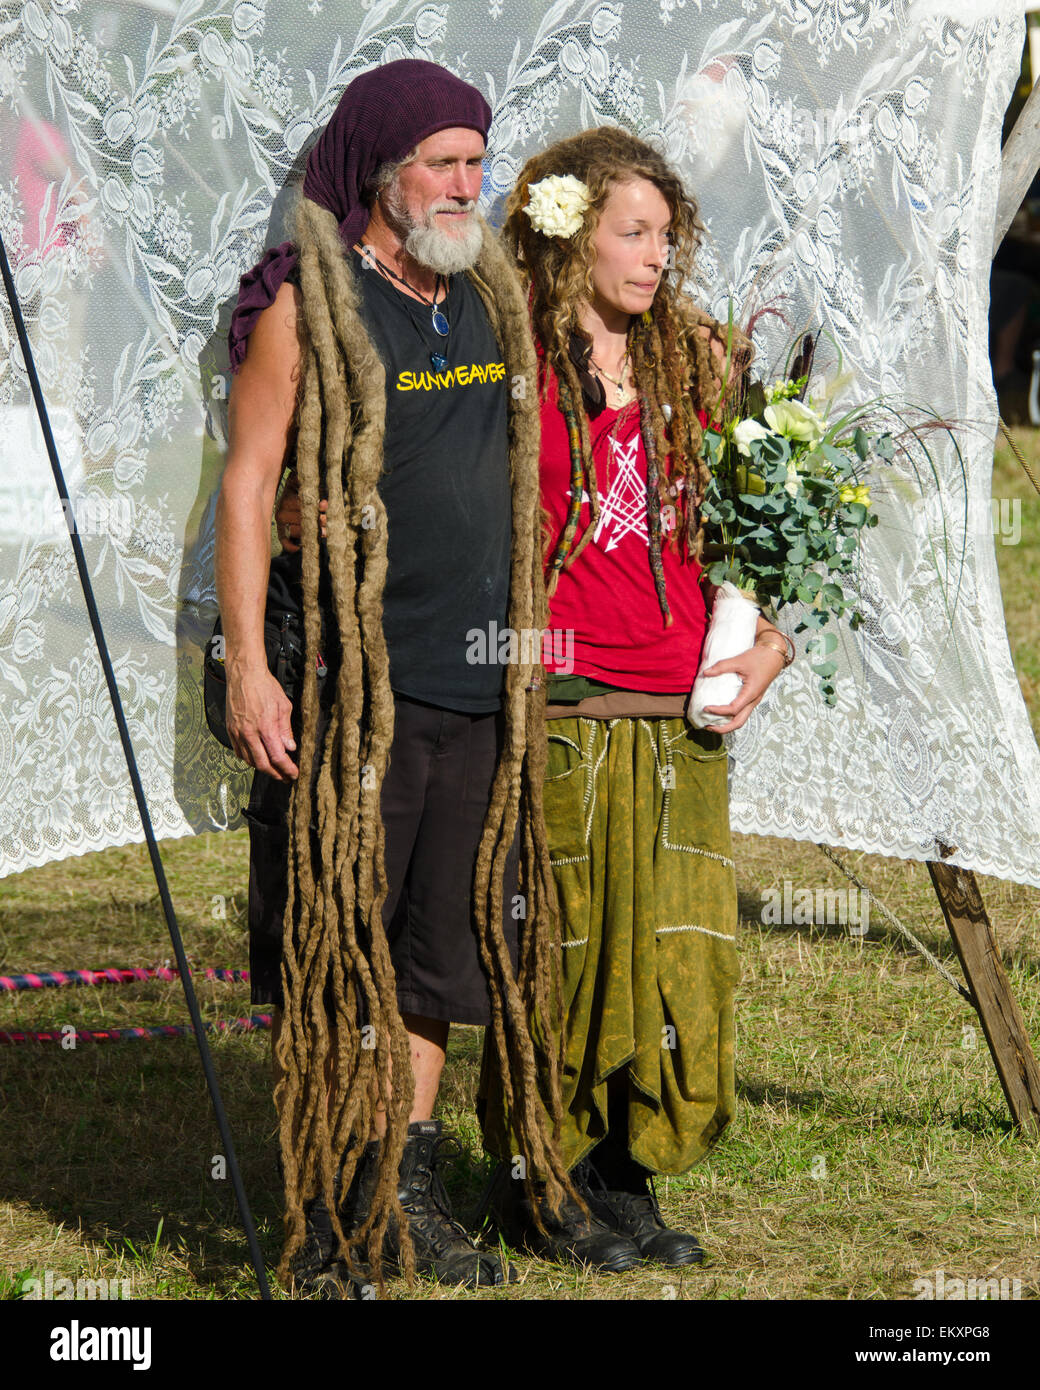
635,799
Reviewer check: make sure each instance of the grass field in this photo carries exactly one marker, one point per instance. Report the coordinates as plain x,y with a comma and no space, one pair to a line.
872,1147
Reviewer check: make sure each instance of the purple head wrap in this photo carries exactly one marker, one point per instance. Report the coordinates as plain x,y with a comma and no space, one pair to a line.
381,117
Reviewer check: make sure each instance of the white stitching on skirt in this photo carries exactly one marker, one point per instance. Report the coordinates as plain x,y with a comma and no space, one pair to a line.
662,771
687,849
722,936
592,774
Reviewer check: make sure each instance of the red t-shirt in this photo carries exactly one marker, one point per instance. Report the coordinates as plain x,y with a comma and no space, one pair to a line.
607,598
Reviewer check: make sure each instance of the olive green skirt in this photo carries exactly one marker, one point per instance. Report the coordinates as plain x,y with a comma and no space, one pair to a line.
638,822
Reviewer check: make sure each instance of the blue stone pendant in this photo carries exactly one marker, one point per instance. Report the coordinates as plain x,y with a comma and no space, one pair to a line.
440,323
439,362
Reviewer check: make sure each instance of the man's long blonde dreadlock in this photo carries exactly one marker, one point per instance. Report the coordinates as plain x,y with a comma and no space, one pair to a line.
335,943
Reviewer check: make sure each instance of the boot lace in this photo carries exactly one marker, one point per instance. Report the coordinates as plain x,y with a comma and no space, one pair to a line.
639,1205
433,1218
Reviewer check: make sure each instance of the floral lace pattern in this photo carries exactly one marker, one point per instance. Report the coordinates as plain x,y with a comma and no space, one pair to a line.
845,158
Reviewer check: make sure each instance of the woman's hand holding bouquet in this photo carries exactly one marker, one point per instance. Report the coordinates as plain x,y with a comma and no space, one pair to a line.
783,515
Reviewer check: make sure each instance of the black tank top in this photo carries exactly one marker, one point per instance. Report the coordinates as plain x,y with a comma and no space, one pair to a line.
446,489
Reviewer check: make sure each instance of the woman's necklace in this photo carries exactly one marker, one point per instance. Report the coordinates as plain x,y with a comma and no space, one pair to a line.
623,395
438,318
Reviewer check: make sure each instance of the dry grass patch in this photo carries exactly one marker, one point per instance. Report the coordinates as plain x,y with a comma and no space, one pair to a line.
872,1145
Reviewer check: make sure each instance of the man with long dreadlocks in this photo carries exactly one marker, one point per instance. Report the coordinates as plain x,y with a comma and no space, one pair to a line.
389,359
635,799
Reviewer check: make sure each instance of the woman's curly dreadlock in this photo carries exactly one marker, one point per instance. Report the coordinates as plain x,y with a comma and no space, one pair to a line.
675,347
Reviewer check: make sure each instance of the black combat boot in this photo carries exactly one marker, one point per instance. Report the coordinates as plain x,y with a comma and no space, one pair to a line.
316,1269
442,1246
620,1193
570,1235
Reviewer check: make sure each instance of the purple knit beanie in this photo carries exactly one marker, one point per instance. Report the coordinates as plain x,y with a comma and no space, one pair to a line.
381,117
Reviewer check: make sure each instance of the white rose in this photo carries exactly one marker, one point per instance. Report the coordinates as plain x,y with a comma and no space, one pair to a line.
794,420
556,205
745,434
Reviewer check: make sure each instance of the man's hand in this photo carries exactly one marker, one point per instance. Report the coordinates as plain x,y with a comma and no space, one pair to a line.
258,723
758,667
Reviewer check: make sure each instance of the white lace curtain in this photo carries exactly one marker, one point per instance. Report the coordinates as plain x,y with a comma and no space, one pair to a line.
846,157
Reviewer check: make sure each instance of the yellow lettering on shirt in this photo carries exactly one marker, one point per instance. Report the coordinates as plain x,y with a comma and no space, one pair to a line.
475,373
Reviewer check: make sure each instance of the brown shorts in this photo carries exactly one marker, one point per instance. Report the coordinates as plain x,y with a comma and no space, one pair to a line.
434,799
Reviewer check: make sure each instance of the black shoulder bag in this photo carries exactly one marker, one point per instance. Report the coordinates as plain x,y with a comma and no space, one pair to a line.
283,640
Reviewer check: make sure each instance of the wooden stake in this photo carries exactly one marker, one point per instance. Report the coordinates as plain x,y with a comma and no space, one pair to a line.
1019,162
957,889
1001,1018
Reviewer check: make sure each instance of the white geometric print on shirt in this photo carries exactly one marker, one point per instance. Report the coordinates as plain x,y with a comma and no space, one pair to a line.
624,507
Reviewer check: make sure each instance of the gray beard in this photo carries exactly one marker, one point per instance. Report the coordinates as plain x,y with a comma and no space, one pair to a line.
433,248
443,253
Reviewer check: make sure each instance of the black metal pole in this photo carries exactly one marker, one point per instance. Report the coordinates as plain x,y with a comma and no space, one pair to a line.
131,763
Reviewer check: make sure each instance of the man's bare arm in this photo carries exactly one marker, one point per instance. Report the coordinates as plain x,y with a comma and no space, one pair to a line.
261,411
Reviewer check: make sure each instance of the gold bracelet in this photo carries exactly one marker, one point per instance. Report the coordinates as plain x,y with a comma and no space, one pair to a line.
785,650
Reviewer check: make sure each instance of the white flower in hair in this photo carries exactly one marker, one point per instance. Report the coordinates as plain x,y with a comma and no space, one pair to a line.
556,205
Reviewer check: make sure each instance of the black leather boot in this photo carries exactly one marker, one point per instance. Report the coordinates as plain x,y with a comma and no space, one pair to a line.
570,1235
620,1193
442,1246
316,1269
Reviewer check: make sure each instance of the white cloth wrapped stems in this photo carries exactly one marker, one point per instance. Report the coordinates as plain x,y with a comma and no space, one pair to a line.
731,631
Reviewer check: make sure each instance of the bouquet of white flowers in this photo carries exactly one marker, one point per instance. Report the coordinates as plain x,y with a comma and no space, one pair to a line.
783,512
